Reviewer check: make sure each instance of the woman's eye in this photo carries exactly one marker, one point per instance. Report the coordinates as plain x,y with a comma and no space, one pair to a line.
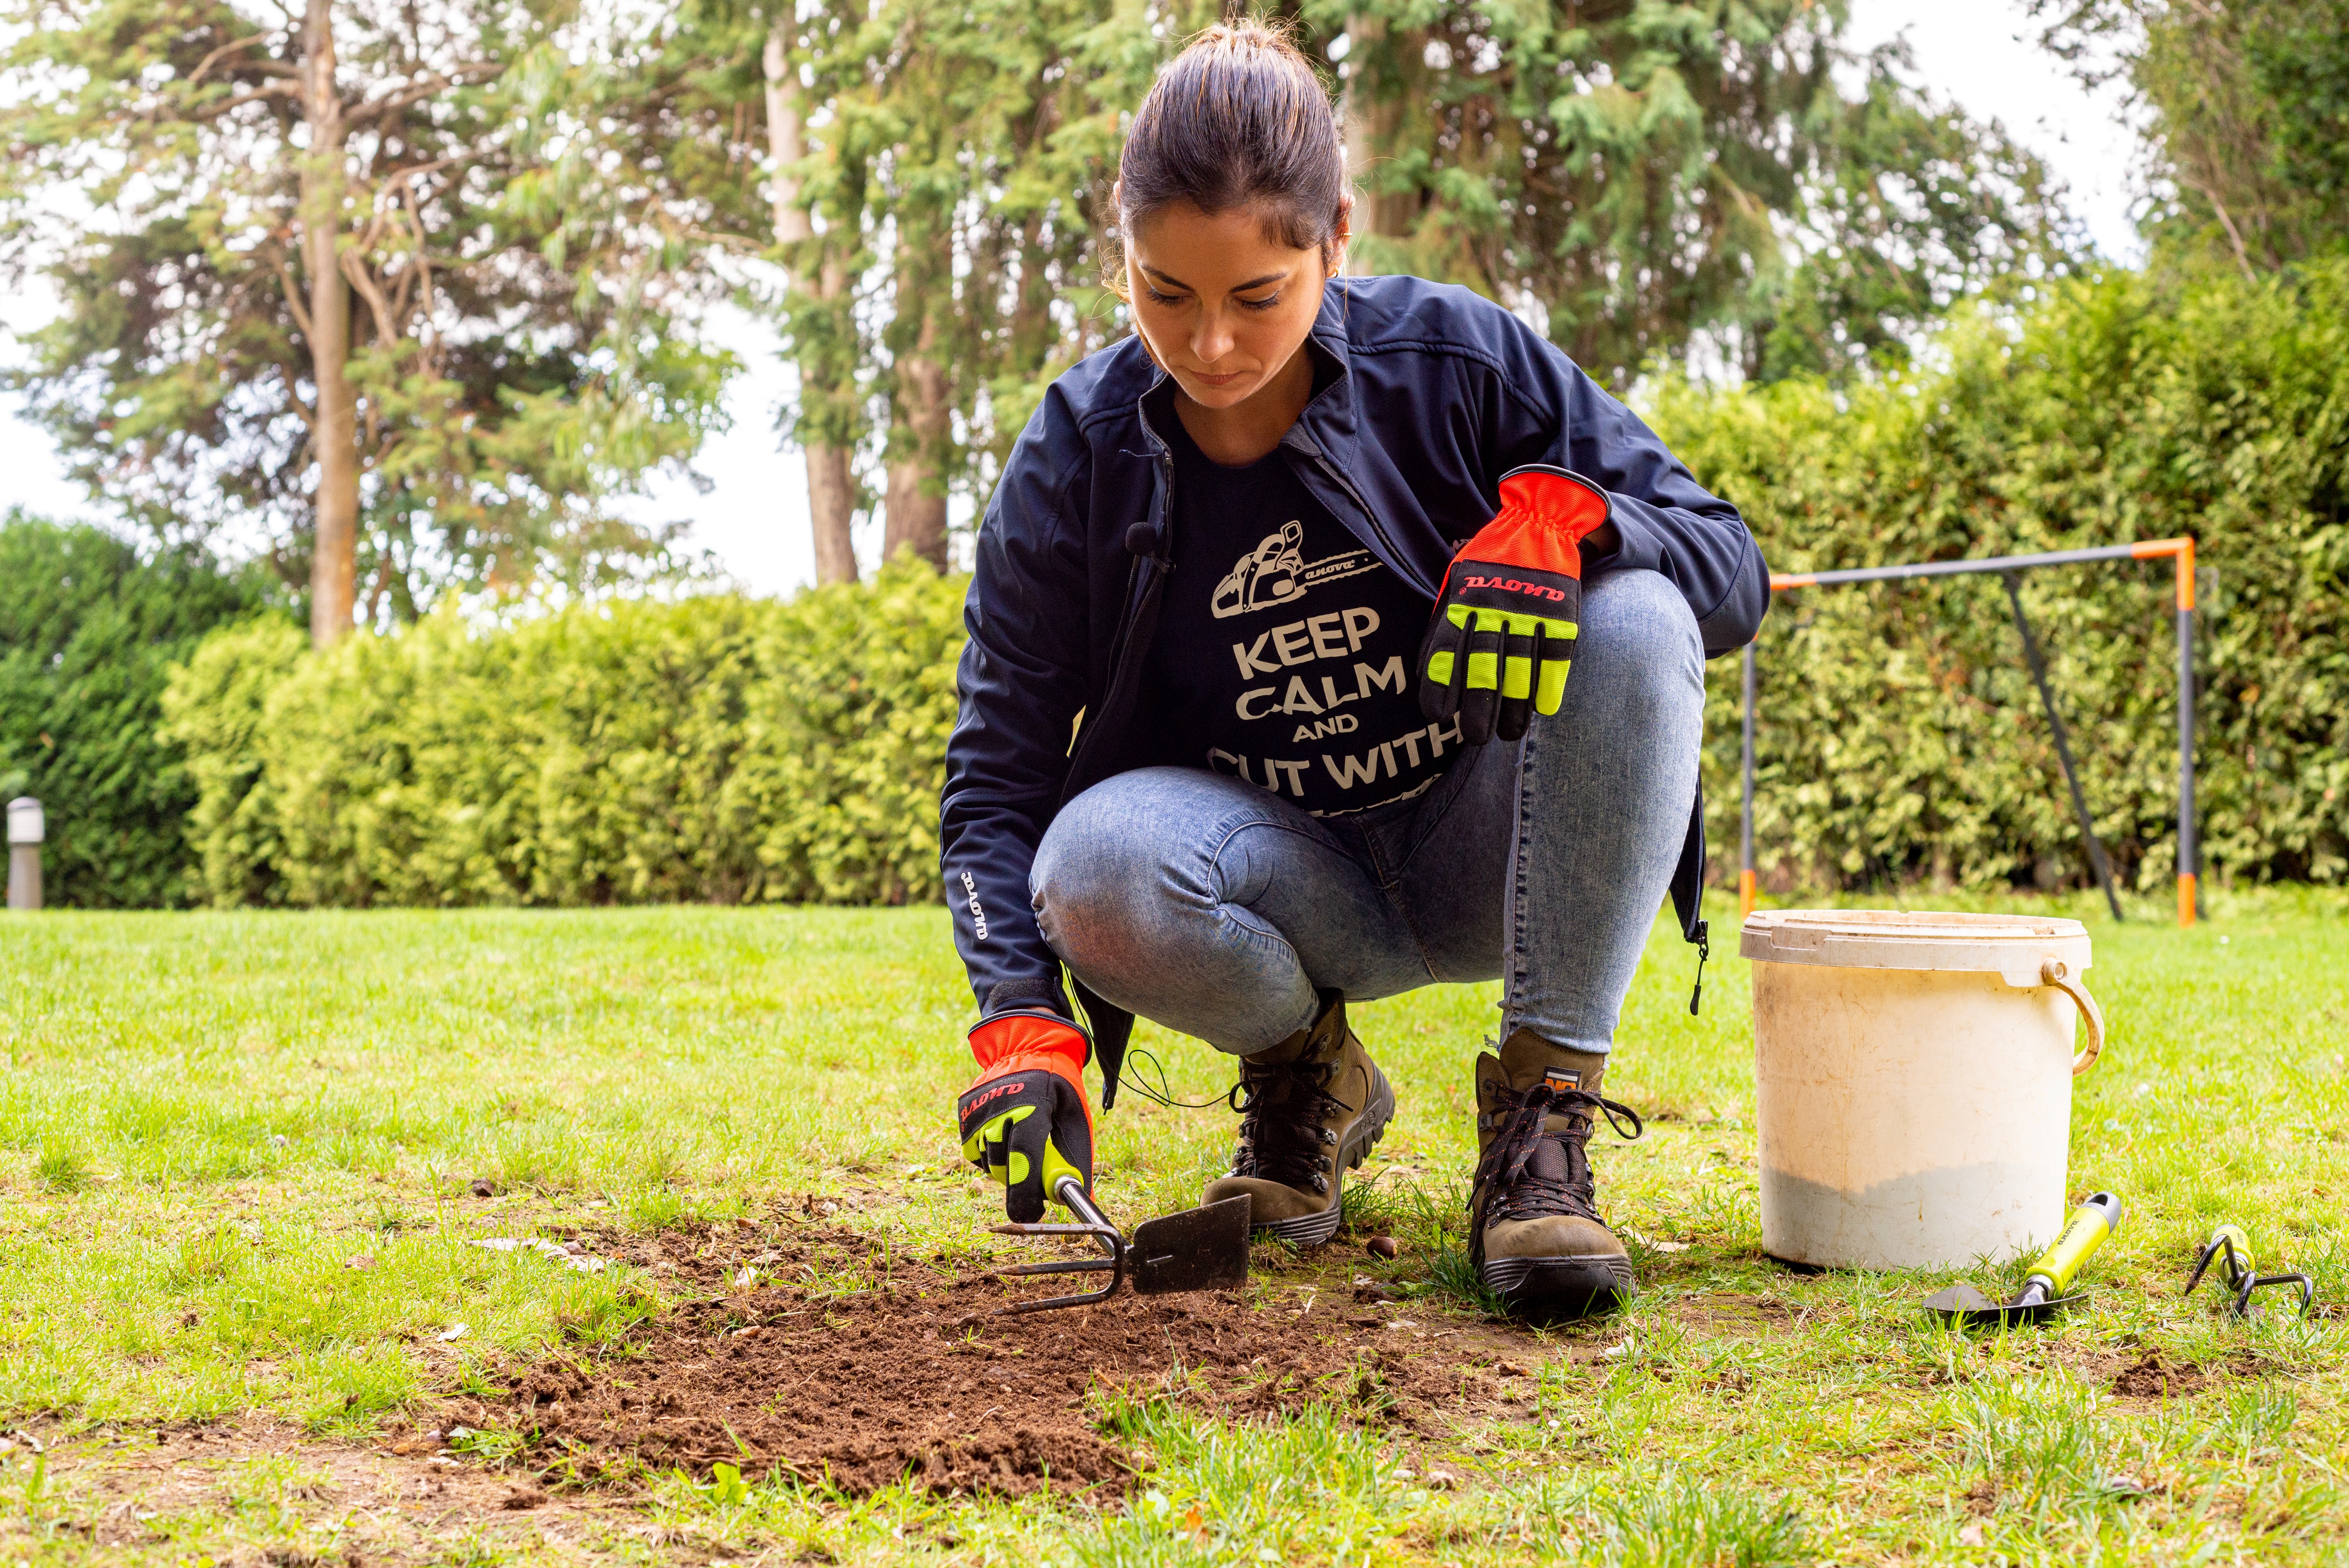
1267,302
1157,298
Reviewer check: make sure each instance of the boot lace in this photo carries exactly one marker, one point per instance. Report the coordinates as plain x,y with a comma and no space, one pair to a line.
1509,1186
1282,1112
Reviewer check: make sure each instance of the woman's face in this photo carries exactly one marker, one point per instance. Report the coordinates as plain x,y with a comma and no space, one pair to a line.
1222,305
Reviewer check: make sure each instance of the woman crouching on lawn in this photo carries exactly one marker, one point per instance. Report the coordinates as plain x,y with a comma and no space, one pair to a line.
1265,703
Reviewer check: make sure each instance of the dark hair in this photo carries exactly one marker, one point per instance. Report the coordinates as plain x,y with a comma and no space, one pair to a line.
1239,119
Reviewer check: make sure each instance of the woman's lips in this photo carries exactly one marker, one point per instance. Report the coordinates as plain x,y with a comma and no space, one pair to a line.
1224,380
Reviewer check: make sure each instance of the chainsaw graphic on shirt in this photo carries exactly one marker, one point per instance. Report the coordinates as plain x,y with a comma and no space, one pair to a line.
1309,675
1276,572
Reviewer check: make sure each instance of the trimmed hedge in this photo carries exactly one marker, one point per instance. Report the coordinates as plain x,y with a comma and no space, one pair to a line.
715,748
724,749
1900,735
88,629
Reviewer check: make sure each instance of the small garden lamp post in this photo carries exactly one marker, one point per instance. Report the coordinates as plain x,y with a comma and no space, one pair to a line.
24,830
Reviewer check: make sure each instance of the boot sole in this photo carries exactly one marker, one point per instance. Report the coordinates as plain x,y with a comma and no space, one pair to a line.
1312,1230
1562,1287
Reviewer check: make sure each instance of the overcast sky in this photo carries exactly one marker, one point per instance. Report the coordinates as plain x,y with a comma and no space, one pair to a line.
754,518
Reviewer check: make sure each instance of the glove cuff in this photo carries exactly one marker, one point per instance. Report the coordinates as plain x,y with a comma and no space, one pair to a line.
1021,1041
1039,1038
1555,501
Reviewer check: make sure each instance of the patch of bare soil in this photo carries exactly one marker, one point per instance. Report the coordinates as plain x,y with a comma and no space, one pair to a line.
2153,1376
922,1375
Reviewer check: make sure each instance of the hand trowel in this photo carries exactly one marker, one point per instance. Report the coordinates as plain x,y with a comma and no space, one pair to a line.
2041,1295
1205,1248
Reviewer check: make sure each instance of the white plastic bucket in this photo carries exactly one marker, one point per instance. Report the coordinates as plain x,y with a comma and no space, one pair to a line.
1913,1075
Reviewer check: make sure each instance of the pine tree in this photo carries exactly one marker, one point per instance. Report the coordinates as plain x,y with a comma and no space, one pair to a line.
1656,177
326,277
2244,109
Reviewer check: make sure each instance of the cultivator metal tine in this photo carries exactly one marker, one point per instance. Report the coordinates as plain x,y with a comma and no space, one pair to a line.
1205,1248
1010,1229
1095,1226
1072,1265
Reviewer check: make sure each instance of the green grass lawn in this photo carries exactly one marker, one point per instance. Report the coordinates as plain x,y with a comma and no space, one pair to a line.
239,1156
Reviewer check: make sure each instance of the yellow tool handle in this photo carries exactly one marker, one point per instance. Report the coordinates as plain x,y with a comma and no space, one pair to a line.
2240,1263
2090,1224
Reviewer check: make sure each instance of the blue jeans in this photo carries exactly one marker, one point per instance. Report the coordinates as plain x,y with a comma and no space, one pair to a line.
1206,905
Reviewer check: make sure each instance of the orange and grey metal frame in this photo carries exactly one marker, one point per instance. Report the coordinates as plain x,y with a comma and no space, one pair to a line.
2181,553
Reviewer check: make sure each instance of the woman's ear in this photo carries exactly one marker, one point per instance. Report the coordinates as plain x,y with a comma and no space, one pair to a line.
1340,235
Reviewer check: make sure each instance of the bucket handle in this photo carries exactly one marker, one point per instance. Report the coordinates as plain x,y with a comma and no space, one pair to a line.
2056,973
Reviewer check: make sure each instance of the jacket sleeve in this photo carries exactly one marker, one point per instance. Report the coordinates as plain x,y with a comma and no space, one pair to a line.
1545,410
1022,682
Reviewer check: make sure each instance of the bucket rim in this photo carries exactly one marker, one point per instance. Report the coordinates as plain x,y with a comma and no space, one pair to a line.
2012,945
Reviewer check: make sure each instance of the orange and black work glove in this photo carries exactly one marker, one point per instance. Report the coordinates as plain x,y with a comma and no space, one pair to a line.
1025,1122
1497,650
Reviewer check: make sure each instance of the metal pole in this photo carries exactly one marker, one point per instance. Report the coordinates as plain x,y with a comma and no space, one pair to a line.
2063,745
25,831
1746,815
2190,865
2143,550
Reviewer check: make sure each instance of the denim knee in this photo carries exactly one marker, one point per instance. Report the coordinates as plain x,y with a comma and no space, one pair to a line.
1637,629
1132,888
1123,861
1088,868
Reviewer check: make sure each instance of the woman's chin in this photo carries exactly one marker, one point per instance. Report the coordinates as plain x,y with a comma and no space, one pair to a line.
1217,394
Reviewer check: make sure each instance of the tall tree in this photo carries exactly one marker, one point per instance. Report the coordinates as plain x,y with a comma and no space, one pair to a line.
321,277
1388,202
1676,173
2244,114
970,146
832,488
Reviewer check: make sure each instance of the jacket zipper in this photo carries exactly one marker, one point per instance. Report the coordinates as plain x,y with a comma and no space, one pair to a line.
1337,477
1165,528
1130,611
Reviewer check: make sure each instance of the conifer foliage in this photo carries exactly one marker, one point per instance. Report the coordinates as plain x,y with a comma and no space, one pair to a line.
355,275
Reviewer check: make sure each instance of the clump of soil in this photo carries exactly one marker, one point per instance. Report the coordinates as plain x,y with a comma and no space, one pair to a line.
2152,1377
921,1375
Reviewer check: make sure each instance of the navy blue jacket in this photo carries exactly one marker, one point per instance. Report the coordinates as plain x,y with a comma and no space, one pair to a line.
1428,395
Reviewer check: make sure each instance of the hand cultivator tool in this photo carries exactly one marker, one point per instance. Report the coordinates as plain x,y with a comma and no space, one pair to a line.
1197,1249
2230,1246
2043,1294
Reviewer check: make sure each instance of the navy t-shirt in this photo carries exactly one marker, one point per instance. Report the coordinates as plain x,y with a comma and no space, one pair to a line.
1283,648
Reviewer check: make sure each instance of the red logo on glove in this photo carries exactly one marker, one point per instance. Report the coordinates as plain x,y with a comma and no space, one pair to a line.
1511,585
1009,1086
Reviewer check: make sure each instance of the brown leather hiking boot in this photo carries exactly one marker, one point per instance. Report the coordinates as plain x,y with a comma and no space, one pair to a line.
1536,1238
1310,1108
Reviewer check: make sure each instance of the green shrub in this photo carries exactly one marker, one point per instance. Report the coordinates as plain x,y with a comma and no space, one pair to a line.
1899,733
715,748
87,630
723,748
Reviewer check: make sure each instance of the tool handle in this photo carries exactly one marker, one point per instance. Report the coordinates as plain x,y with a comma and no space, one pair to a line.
2230,1247
1072,1195
2090,1224
2238,1245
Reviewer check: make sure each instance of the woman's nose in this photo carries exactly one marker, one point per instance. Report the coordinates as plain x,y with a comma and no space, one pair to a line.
1213,339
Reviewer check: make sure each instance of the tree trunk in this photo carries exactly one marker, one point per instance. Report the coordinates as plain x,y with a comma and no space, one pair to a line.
1372,119
831,494
917,519
832,502
334,555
